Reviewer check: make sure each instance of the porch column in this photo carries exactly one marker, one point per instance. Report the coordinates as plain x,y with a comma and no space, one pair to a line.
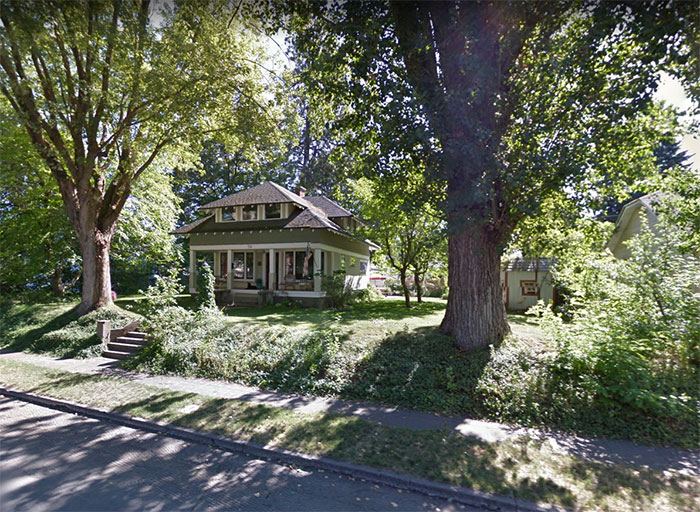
317,270
193,271
217,264
229,274
271,276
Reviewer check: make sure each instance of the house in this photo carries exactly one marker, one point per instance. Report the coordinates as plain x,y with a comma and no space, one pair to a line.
630,221
525,281
269,244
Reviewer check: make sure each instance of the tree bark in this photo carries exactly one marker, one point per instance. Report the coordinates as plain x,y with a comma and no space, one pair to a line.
97,283
419,287
475,315
404,286
57,281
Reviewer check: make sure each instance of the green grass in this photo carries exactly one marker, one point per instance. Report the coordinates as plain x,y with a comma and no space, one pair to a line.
379,352
525,469
54,328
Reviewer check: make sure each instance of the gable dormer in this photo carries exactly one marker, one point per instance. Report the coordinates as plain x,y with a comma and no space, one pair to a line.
253,212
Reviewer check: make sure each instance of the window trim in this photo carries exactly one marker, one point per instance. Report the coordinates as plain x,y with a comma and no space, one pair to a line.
523,283
245,265
264,209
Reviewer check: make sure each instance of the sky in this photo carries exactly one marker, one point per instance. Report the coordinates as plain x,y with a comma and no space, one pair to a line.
671,91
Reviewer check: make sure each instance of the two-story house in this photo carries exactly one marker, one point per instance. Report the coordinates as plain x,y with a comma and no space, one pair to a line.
270,242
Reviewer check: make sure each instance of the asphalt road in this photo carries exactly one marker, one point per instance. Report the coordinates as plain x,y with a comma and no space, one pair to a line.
50,460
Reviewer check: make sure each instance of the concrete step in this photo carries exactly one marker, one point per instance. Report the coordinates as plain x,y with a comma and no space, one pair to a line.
124,347
132,340
114,354
136,334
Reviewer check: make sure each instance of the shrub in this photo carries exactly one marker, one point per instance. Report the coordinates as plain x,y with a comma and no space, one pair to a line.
206,298
337,289
369,294
626,365
162,293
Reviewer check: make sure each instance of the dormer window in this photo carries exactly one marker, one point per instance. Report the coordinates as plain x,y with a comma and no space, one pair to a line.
229,213
273,211
250,212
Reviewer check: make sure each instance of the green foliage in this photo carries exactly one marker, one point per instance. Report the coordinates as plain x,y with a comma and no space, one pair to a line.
409,230
338,289
369,294
680,206
628,361
206,297
78,338
162,294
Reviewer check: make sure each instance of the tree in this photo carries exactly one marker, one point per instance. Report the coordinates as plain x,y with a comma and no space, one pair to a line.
30,203
103,89
517,99
408,231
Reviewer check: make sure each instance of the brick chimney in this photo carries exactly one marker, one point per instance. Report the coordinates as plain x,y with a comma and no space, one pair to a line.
300,191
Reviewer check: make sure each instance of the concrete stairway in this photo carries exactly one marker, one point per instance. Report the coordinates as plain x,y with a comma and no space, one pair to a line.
126,345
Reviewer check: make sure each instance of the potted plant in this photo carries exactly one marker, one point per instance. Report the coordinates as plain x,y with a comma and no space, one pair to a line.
259,283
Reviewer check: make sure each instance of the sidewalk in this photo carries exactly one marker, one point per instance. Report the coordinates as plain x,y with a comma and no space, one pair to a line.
658,458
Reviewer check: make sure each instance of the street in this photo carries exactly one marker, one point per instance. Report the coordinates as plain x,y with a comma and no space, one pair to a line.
50,460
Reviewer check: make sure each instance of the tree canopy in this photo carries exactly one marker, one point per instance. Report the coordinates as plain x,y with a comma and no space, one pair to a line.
103,89
511,102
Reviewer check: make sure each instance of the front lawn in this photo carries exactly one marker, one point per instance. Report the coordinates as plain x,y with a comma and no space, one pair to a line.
379,352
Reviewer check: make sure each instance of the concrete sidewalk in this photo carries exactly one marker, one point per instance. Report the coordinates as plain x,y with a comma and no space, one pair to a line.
659,458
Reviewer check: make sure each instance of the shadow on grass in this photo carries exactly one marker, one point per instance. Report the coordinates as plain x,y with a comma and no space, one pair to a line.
420,369
522,319
14,316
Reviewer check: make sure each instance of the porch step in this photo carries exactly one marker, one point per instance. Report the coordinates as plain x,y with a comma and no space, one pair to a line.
133,340
113,354
126,346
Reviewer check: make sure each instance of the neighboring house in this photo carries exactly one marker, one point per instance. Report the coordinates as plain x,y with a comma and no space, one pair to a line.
377,278
525,281
629,223
269,245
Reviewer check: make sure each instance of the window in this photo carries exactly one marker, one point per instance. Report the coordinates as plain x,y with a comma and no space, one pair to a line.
250,212
273,211
528,288
229,213
363,267
242,265
299,264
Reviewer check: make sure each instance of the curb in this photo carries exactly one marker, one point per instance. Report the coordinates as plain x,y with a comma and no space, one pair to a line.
388,478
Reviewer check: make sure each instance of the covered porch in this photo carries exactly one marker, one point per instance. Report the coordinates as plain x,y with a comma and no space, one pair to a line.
286,270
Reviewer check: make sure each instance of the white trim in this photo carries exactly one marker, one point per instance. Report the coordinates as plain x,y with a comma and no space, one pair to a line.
285,245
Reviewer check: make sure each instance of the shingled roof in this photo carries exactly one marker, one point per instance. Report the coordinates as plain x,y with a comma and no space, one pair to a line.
264,193
315,210
529,265
182,230
330,208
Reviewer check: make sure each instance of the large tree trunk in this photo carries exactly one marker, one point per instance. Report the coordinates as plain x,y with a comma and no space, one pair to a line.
97,283
475,315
